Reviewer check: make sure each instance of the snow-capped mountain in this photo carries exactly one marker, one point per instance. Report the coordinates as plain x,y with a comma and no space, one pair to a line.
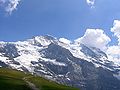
68,63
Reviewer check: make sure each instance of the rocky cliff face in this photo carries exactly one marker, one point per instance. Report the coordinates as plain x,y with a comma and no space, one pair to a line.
77,65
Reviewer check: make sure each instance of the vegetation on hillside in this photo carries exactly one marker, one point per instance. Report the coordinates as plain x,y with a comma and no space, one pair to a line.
15,80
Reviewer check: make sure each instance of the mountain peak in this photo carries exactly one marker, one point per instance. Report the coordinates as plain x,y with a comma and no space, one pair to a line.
61,61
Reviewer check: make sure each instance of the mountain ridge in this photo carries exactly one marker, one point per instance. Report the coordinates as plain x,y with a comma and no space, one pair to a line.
62,61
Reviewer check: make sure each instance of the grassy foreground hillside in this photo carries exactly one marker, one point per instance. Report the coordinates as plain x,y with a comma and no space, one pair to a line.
16,80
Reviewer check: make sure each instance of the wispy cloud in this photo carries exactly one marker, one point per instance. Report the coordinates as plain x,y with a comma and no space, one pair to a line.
90,3
9,5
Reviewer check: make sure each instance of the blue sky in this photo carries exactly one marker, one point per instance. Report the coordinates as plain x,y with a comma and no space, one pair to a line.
60,18
95,23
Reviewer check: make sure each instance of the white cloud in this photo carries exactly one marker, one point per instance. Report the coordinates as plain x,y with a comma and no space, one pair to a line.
114,53
94,38
90,3
97,38
114,50
116,30
9,5
64,40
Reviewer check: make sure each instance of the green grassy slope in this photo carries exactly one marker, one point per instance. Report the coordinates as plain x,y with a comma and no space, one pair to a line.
13,80
44,84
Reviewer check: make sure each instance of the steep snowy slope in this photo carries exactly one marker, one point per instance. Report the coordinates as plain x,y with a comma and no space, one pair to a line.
62,61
